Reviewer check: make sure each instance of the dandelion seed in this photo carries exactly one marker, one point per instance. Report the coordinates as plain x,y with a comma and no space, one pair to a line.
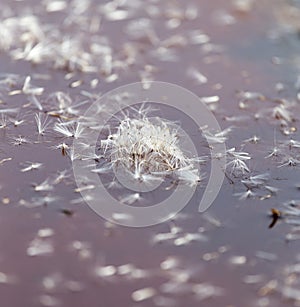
173,23
17,122
72,154
7,278
244,195
254,139
85,188
3,121
271,286
56,6
292,237
171,42
105,271
41,123
29,90
62,99
69,129
52,282
64,148
143,294
142,29
237,163
43,186
238,166
238,260
130,199
274,153
35,101
76,83
210,99
289,161
210,256
169,263
8,81
240,155
40,247
241,118
292,208
197,37
188,238
243,105
174,229
64,103
15,92
117,15
102,170
6,201
112,78
80,200
212,220
246,96
293,221
38,201
31,166
149,151
125,269
192,237
293,144
181,241
280,112
60,176
188,175
94,83
160,237
121,217
267,196
216,138
64,129
256,181
272,190
45,232
196,75
165,54
243,6
139,274
191,12
20,140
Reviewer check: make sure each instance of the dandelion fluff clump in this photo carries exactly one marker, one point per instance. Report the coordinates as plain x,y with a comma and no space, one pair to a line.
149,148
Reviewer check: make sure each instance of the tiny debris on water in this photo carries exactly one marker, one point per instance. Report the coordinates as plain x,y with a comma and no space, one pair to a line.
275,214
143,294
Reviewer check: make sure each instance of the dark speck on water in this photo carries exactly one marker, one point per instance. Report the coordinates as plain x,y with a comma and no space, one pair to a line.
67,212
